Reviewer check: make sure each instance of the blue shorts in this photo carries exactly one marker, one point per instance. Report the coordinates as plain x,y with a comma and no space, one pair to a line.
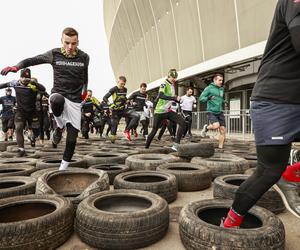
213,118
275,123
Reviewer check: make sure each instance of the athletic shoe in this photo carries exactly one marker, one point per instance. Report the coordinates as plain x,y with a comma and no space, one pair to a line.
175,147
57,135
135,134
113,138
10,138
126,134
204,131
30,137
232,220
290,194
21,153
5,139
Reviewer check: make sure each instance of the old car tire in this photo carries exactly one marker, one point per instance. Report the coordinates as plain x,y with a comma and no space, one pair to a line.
122,219
199,228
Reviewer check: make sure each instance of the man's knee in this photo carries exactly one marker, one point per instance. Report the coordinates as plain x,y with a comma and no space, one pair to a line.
57,102
222,130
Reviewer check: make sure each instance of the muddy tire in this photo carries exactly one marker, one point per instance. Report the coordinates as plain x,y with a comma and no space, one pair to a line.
40,172
223,164
16,185
75,184
156,150
5,144
22,170
112,169
148,161
54,161
105,157
122,219
18,161
226,186
42,222
162,184
190,177
196,149
199,228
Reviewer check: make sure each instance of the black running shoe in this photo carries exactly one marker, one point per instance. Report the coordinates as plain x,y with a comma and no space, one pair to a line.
21,153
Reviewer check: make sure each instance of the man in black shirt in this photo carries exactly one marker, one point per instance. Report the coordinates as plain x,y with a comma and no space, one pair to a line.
138,100
70,68
88,112
275,113
119,110
7,114
105,118
26,91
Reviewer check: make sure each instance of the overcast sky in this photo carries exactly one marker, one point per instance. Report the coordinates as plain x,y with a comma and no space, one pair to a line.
32,27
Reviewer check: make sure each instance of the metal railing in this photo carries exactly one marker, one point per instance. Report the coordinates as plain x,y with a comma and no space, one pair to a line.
238,122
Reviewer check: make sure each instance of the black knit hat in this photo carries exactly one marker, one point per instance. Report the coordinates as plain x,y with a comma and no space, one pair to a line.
26,73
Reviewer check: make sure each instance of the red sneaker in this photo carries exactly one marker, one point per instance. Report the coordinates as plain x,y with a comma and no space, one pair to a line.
135,133
126,133
233,220
292,173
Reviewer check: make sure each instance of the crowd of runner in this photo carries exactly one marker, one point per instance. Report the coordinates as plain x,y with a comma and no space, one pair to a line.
71,107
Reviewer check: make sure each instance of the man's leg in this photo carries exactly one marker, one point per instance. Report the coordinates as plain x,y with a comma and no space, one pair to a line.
20,125
134,118
10,131
163,128
177,119
114,125
108,122
222,136
5,128
158,118
190,121
57,102
214,124
72,134
271,163
145,127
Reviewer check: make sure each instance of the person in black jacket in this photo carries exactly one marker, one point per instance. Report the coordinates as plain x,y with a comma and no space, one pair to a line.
7,114
70,68
138,100
119,109
275,114
26,91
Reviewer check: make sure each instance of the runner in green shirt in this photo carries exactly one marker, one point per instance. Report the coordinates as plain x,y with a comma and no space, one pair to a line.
162,111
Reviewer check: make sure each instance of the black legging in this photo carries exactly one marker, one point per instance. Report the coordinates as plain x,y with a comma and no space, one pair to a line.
188,121
145,125
132,115
105,120
171,116
57,105
170,127
271,163
72,134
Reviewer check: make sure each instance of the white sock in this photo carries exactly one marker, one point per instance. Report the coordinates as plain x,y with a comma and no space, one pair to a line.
64,165
22,149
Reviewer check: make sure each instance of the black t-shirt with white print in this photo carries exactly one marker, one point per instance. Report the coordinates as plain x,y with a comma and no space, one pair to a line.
70,73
